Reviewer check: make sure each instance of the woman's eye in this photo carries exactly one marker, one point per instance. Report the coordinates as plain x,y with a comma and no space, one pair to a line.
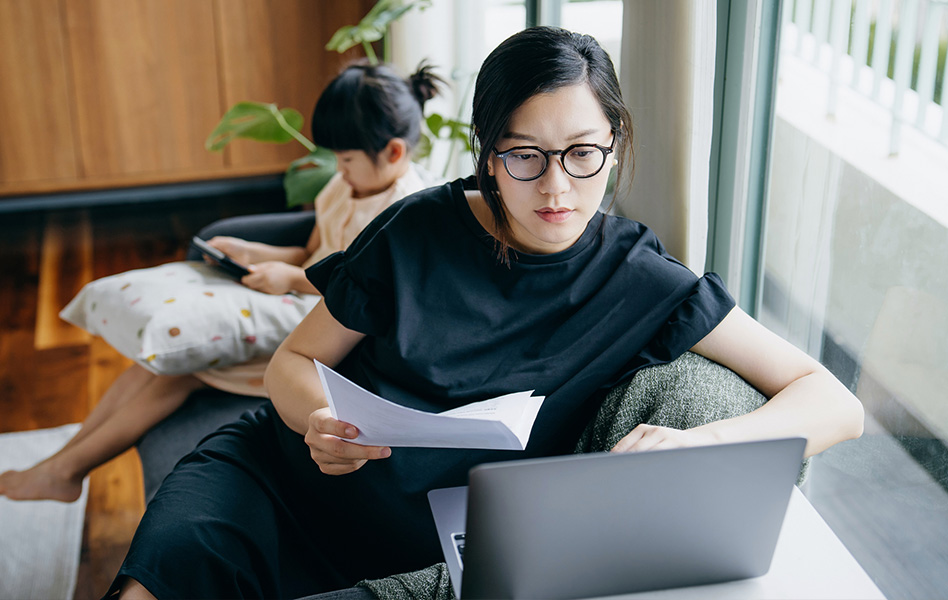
523,157
582,154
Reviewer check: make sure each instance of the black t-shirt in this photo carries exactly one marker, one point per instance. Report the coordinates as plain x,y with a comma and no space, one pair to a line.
447,323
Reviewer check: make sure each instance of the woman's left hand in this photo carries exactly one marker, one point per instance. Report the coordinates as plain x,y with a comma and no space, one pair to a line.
653,437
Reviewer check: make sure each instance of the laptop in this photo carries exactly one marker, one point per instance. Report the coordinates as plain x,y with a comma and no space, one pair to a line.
601,524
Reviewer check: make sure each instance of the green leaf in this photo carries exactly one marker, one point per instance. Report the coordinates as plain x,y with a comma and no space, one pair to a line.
254,121
306,176
435,122
373,25
342,40
423,148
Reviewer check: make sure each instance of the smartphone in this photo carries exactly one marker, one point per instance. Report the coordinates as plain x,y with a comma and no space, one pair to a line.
226,263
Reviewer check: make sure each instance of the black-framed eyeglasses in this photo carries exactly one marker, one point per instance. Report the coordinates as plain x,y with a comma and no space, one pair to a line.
581,161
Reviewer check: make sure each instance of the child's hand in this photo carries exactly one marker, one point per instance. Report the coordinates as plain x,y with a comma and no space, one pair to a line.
240,251
273,277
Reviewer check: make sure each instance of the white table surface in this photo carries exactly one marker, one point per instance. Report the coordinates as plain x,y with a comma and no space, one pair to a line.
809,562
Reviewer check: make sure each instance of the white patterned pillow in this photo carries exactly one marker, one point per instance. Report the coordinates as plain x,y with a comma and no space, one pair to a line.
185,317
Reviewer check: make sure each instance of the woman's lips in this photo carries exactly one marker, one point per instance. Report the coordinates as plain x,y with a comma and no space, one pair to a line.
554,215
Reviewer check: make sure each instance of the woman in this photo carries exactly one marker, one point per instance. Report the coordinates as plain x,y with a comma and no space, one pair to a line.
457,294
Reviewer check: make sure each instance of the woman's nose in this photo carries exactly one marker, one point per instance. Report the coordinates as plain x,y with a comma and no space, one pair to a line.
555,180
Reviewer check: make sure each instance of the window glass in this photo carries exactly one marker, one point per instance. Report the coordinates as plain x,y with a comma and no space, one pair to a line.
502,19
855,266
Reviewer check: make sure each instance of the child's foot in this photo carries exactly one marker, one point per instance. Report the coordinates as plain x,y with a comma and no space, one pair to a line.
39,483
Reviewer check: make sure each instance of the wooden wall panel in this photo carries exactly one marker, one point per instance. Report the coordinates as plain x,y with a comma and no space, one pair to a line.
36,140
274,51
120,93
146,85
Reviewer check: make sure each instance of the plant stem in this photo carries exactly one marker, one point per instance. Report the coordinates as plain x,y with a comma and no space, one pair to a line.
370,53
454,139
286,126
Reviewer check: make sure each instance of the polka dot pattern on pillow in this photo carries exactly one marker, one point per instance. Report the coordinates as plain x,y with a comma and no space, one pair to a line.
185,317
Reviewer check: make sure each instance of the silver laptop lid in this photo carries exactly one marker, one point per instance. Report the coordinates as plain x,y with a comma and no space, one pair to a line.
449,509
603,524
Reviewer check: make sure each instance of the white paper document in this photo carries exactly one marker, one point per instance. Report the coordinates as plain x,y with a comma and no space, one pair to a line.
501,423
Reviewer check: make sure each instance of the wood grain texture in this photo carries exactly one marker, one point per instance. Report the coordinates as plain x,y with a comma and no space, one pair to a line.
20,239
146,85
37,142
275,52
112,93
61,383
65,266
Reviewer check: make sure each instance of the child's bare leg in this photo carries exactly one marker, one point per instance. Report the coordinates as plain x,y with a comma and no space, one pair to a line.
60,476
127,386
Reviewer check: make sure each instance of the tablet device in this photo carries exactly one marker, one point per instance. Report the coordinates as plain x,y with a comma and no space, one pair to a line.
219,259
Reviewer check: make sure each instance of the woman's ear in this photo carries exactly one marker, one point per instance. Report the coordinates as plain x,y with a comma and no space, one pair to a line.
490,166
395,150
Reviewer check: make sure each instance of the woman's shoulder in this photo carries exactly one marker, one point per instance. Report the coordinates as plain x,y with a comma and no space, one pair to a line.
629,232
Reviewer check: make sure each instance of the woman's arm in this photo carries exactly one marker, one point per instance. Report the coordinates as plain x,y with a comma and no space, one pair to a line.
805,399
297,394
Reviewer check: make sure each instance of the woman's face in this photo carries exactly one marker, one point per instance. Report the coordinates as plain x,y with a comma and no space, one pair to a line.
549,214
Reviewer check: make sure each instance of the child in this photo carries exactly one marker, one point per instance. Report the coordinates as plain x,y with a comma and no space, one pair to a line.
371,119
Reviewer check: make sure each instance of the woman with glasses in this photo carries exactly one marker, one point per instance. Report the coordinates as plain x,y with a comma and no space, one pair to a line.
510,280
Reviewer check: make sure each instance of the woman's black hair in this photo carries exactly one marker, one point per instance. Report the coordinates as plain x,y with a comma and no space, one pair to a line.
366,106
535,61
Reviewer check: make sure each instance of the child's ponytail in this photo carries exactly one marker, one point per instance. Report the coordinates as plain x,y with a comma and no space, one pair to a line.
367,106
425,85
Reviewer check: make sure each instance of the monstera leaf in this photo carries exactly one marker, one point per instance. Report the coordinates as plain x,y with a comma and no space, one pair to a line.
260,122
373,26
307,175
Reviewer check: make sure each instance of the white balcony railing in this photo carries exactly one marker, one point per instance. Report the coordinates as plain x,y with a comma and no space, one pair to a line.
834,35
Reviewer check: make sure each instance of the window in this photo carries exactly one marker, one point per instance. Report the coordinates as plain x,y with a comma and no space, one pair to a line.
855,265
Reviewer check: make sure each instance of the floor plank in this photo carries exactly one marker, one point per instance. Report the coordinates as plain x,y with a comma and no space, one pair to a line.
52,373
65,266
19,270
17,381
61,394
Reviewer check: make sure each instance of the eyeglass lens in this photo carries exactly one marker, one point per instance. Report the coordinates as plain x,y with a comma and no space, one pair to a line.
579,161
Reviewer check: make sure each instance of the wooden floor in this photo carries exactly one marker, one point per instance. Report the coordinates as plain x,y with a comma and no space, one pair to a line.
52,373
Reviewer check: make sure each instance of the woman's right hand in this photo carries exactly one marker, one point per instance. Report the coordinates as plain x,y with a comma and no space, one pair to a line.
326,438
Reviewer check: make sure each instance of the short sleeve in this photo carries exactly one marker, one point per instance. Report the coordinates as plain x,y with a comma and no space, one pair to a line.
357,284
694,317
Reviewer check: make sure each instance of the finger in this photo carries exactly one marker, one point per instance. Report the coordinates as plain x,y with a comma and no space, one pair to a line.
253,280
330,448
627,443
218,242
651,441
340,469
323,422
